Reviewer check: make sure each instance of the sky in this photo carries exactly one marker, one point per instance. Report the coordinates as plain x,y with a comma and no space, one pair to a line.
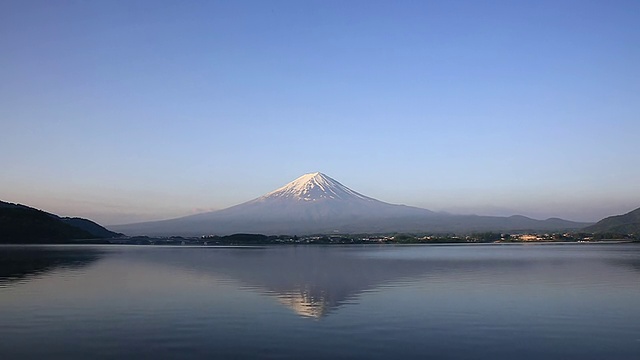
126,111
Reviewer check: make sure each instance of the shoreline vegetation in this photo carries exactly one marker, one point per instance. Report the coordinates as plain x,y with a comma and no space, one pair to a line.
362,239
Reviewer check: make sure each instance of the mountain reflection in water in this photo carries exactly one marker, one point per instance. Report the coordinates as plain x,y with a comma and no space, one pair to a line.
21,263
313,281
524,302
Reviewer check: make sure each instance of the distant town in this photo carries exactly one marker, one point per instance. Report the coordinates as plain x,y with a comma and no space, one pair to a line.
345,239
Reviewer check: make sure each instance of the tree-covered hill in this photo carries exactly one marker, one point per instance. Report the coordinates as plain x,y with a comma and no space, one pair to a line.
23,224
628,223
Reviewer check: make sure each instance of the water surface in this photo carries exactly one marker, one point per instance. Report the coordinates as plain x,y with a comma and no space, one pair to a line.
441,302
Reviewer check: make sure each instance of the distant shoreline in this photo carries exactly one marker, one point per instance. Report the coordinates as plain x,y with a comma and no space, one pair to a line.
159,242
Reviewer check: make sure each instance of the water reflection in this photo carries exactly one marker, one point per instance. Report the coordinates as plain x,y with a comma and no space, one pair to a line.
20,264
632,263
454,302
314,281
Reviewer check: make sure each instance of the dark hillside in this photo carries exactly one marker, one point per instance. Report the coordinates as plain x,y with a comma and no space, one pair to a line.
20,224
628,223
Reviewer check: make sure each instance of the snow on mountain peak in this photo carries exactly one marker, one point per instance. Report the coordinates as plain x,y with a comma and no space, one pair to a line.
315,186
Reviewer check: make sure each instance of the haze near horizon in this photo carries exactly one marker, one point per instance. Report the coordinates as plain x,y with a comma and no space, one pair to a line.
125,111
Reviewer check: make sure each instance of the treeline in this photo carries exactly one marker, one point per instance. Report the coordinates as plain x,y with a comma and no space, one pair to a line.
401,238
248,239
20,224
26,225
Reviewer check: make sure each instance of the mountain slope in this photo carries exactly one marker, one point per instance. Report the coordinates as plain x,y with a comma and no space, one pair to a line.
318,198
628,223
315,203
23,224
89,226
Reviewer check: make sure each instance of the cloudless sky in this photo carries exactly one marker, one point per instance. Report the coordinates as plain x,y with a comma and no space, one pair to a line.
124,111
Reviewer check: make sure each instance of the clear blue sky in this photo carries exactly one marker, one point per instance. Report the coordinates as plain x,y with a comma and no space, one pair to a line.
123,111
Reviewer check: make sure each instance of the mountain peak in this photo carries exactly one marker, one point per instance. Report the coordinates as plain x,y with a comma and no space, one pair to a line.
315,203
313,187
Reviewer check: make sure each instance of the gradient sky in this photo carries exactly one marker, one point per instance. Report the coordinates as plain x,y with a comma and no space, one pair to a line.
122,111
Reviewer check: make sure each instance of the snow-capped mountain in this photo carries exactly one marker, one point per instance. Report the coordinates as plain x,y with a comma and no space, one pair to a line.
312,203
313,187
315,203
318,198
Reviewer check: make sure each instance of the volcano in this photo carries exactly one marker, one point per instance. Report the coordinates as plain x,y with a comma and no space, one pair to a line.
316,198
315,203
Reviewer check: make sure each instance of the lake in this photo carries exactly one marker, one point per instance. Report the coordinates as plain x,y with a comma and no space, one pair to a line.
509,301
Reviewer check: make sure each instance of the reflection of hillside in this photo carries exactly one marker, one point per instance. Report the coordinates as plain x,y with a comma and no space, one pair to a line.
312,281
23,263
626,256
633,264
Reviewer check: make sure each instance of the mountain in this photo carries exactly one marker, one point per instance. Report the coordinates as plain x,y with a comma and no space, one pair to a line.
23,224
315,203
89,226
628,223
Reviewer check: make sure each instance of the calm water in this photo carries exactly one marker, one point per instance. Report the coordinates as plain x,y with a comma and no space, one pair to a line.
427,302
